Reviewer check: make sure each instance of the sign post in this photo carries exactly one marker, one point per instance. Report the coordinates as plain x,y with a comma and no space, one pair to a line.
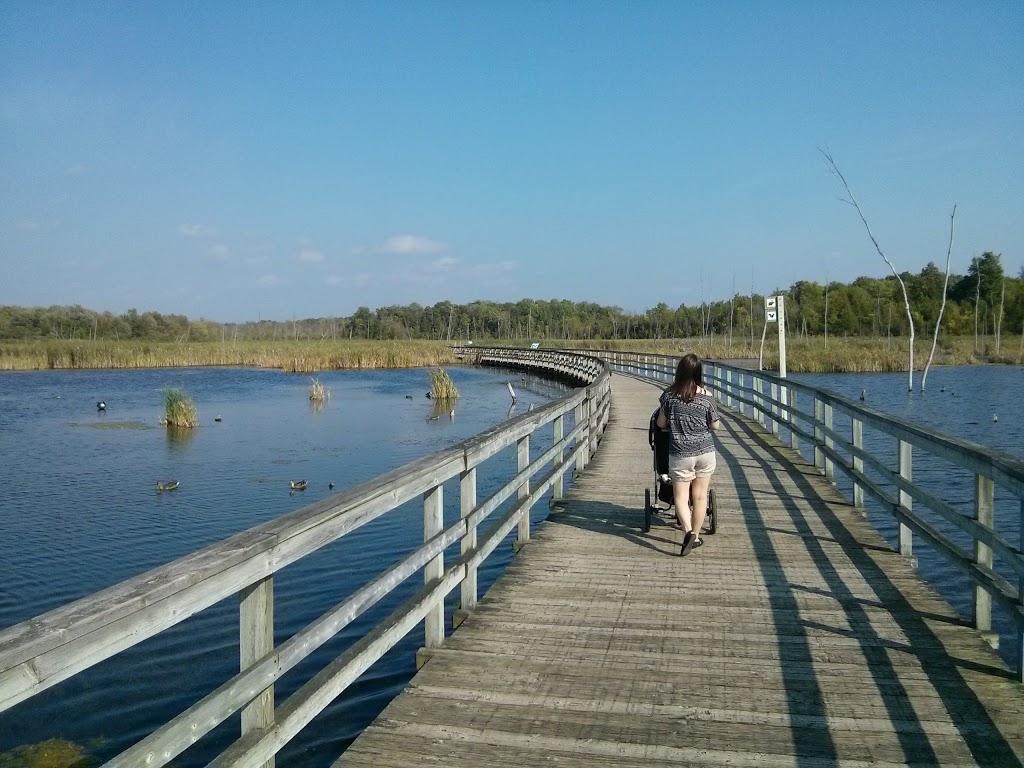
775,312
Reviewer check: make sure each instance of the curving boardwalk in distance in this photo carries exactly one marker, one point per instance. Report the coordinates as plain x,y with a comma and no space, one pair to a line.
794,637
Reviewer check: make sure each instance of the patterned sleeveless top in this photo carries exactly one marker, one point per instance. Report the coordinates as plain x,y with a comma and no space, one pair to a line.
689,424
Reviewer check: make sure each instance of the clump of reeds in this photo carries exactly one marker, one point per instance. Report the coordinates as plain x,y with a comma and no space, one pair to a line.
317,392
441,385
179,410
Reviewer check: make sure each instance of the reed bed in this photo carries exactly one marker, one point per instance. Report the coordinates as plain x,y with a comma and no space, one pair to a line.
293,356
839,355
441,385
179,411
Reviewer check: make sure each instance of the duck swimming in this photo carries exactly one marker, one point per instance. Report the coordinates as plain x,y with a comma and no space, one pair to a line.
101,406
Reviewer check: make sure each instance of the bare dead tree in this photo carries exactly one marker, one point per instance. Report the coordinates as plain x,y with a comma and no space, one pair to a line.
732,307
938,323
760,355
977,300
999,318
906,299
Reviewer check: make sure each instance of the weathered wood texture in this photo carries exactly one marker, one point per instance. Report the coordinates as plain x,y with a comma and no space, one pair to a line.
794,637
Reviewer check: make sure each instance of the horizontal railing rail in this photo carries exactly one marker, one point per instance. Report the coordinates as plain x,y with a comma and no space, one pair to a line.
800,412
42,652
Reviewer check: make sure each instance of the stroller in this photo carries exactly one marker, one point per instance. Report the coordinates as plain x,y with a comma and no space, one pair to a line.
663,491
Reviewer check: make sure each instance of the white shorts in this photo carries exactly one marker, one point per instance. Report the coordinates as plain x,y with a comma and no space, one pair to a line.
683,469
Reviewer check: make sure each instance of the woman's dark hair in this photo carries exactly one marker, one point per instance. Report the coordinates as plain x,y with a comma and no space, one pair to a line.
689,376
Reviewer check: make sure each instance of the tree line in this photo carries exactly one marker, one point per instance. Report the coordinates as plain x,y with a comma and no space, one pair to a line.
985,301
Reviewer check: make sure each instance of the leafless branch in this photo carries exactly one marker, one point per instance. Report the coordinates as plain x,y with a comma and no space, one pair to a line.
938,323
906,299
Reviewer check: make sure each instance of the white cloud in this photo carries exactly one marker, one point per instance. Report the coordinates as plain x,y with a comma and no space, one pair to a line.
444,264
76,169
498,268
196,230
310,256
334,280
412,244
29,225
220,252
270,280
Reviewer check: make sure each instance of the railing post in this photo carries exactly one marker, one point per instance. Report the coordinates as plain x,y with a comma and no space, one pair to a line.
858,463
522,462
467,503
577,419
256,640
433,523
906,544
585,437
728,389
794,441
984,513
819,415
1020,598
559,487
830,470
758,413
775,408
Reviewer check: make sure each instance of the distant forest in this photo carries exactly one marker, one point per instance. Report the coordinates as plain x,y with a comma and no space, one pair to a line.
984,301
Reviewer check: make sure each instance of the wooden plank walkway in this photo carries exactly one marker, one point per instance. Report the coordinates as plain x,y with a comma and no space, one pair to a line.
794,637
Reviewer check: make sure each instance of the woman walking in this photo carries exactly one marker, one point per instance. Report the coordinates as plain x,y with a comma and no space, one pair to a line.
689,413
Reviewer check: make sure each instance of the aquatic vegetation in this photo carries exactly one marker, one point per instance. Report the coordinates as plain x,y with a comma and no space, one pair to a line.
179,411
441,385
52,753
113,425
317,392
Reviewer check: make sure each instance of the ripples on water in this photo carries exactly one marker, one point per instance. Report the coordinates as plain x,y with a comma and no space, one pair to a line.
79,512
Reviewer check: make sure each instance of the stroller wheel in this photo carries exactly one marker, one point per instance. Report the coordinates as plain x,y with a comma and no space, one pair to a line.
712,513
648,510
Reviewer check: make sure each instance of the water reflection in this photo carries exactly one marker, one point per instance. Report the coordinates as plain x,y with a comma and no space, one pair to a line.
443,409
178,438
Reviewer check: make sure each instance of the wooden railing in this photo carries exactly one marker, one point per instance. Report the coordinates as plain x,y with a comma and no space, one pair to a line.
44,651
834,428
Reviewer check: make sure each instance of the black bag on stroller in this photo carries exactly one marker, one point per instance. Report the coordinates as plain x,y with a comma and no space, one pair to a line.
659,440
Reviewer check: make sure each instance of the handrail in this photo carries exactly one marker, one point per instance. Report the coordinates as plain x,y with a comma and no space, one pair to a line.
775,404
57,645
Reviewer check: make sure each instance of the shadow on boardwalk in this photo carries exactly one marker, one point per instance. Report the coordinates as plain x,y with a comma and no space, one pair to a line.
790,508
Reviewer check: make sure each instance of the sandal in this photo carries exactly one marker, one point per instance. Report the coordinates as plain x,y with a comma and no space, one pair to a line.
688,543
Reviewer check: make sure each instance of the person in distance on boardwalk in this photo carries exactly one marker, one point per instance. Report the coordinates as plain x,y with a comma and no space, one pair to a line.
690,414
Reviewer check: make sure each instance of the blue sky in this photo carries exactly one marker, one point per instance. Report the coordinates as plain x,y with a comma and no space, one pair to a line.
237,160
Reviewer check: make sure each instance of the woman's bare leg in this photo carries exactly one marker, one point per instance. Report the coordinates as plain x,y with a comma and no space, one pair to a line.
700,501
681,496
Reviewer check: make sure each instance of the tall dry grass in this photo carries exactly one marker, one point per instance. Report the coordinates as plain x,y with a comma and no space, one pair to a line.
441,385
295,356
317,392
840,355
179,410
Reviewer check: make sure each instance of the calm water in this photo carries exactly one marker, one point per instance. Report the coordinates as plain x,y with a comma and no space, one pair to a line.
79,512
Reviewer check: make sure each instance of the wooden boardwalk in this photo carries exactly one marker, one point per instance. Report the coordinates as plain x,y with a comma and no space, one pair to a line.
794,637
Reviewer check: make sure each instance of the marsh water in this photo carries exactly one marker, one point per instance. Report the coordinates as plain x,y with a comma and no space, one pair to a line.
79,511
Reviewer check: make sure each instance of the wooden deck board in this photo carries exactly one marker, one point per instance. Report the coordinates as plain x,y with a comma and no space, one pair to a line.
794,637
